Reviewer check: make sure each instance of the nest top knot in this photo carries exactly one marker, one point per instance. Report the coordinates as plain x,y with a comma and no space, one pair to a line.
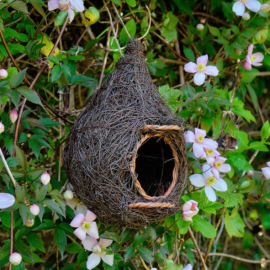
134,45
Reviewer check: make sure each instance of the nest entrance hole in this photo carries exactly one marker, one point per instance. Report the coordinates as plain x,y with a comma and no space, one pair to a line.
154,166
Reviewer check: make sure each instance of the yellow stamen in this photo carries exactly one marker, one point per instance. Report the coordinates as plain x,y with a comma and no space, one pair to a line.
211,180
218,164
253,58
200,139
86,225
209,152
201,67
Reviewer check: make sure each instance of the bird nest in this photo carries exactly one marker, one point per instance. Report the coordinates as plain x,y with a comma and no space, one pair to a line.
125,155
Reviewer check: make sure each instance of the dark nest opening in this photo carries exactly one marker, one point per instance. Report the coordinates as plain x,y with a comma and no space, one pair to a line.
154,166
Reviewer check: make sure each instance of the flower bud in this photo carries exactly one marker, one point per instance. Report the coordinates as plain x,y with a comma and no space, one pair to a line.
68,194
92,16
15,258
250,174
265,8
45,178
13,116
245,184
2,128
261,35
237,51
34,209
3,73
64,5
246,16
29,222
200,27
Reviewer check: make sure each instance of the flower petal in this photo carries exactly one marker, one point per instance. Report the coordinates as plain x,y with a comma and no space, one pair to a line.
210,194
190,67
90,216
89,242
197,150
71,14
238,8
202,59
220,185
268,164
199,78
266,172
53,4
224,168
247,66
253,5
250,49
210,160
93,231
71,203
187,206
188,267
221,159
77,221
256,64
81,208
105,242
186,218
189,136
211,70
259,57
80,233
206,168
6,200
77,5
215,172
108,259
197,180
93,261
209,144
200,132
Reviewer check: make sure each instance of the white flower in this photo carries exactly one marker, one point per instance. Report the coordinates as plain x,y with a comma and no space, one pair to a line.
34,209
6,200
2,128
77,205
45,178
239,6
15,258
188,267
68,195
208,180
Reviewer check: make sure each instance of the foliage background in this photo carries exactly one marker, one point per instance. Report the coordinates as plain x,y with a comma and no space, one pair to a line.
241,216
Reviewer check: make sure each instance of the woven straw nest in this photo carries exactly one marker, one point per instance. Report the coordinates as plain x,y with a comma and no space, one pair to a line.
125,155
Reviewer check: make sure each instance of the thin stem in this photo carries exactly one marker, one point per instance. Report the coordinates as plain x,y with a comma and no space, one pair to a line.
7,168
143,263
11,235
197,247
121,19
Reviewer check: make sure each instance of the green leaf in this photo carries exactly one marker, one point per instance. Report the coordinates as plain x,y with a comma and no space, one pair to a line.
83,80
170,96
189,54
259,146
117,2
38,8
111,235
23,211
35,241
131,3
247,240
131,28
35,173
60,18
53,59
74,248
265,131
129,253
20,6
17,78
29,94
214,31
53,206
21,157
238,160
253,96
145,253
234,223
5,218
60,239
203,226
56,72
20,193
248,75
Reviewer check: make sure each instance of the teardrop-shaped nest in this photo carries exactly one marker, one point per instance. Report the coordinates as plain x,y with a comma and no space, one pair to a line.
125,155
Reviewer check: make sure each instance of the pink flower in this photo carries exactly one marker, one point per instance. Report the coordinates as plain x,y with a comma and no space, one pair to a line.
250,174
13,116
188,267
254,59
208,180
190,209
34,209
99,251
266,170
200,69
199,142
15,258
6,200
77,205
218,166
3,73
85,225
210,154
45,178
70,6
239,6
246,16
2,128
